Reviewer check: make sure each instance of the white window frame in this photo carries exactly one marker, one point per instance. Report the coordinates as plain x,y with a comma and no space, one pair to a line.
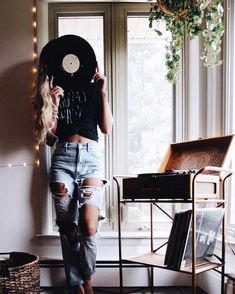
229,99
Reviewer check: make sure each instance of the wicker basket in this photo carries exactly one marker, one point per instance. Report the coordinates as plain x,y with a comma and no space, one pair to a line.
20,273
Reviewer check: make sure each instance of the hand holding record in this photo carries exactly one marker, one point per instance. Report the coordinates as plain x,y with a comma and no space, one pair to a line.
55,92
99,79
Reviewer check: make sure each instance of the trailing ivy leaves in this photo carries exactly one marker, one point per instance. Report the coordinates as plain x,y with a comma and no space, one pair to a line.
188,18
213,34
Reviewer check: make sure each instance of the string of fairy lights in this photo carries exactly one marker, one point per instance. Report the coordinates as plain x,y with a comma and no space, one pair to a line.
35,58
34,71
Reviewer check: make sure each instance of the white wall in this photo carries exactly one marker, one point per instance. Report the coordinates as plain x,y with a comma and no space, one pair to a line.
19,214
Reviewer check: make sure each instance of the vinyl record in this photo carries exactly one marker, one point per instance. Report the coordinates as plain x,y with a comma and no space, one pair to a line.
71,60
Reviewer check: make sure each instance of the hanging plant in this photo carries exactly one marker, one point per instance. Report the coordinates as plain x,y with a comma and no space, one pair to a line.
188,18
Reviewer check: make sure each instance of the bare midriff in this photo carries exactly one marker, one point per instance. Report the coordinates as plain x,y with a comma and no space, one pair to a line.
79,139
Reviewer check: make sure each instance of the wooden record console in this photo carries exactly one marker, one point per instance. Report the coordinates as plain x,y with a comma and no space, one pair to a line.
191,172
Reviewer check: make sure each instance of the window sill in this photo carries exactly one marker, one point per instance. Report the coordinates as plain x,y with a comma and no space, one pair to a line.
114,235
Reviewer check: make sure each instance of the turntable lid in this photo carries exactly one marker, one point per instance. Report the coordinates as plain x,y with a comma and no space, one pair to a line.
197,154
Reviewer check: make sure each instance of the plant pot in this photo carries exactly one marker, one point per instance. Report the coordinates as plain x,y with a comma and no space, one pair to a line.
180,12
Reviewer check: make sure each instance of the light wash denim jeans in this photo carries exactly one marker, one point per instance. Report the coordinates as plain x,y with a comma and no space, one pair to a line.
71,164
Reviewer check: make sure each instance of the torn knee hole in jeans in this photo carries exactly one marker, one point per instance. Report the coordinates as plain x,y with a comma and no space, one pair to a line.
59,189
87,191
89,186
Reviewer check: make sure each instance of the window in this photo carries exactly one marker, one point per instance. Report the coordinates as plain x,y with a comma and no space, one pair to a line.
133,59
149,99
149,108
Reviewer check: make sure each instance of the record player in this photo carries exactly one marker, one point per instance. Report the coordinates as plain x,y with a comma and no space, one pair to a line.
183,164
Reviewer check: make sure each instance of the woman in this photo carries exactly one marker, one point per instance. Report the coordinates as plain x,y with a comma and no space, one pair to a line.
70,118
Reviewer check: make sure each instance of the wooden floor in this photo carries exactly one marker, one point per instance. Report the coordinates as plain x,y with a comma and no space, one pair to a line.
158,290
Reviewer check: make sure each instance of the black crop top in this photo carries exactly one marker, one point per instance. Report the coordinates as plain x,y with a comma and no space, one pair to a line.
79,113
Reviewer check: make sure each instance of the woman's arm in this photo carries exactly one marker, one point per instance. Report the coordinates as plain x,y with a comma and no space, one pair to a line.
106,118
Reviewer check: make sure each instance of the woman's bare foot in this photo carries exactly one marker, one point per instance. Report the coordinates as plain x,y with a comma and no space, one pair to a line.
88,286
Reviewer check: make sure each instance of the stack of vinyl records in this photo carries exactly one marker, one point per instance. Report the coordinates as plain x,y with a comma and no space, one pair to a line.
179,248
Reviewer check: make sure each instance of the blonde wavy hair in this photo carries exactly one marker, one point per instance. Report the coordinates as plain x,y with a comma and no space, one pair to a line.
42,104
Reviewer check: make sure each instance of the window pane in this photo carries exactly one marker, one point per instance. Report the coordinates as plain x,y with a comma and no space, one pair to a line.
150,101
150,109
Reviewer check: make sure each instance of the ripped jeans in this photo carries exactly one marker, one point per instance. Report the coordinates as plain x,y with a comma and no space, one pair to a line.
72,164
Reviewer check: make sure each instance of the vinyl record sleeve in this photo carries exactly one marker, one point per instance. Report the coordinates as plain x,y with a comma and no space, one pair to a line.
179,248
177,239
208,222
